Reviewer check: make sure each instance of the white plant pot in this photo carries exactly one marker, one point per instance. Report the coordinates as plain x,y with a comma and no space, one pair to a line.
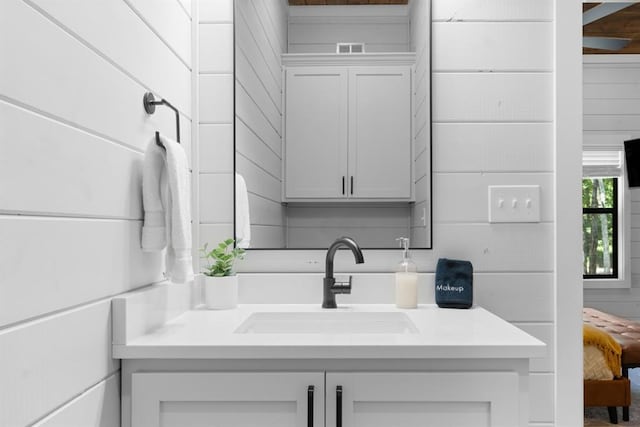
220,292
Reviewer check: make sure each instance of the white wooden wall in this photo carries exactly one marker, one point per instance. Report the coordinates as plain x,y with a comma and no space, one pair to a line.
317,29
261,37
492,124
612,106
215,120
419,16
72,136
372,226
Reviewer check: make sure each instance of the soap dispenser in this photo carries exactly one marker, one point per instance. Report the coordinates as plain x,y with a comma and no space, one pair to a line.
406,278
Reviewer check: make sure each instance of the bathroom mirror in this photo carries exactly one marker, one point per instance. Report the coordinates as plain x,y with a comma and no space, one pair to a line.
353,114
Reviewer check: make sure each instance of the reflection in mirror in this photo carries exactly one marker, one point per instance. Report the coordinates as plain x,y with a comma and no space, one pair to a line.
330,144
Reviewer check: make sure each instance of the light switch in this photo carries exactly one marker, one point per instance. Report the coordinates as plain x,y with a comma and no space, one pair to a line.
514,203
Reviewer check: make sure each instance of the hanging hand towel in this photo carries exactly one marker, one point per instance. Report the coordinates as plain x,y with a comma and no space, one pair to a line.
154,189
243,220
168,198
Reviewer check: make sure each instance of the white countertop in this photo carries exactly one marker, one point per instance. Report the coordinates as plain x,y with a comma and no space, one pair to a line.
442,334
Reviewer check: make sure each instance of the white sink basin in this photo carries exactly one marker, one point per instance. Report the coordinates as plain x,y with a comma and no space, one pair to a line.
329,322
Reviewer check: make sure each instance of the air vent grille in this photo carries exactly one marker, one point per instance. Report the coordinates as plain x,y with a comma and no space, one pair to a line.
350,48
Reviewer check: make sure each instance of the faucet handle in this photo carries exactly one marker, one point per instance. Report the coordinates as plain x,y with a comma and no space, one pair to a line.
341,287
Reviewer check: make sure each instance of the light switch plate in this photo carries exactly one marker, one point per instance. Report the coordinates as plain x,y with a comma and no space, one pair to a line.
514,203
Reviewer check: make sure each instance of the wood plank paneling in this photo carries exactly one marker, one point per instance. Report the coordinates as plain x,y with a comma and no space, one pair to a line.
98,406
216,57
215,11
62,185
68,63
170,21
492,97
470,203
46,363
491,46
493,11
216,98
216,148
489,147
216,198
611,106
145,54
71,92
498,247
76,249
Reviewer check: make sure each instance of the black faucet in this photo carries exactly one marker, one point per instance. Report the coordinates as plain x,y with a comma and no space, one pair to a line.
330,287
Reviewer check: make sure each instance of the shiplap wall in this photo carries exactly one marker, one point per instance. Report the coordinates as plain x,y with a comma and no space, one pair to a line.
261,37
317,29
215,121
611,90
493,124
72,137
419,17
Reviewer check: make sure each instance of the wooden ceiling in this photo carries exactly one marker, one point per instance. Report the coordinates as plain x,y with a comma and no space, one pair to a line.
343,2
624,23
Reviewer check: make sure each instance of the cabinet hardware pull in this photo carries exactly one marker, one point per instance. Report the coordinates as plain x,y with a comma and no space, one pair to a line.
339,406
351,184
343,185
310,406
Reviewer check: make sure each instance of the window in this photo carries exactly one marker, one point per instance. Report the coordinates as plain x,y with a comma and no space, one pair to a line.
605,215
600,227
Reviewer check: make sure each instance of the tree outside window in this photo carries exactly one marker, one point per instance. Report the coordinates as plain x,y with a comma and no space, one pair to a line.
599,227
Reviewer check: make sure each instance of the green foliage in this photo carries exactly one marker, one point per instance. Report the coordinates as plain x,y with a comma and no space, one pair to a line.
597,228
221,258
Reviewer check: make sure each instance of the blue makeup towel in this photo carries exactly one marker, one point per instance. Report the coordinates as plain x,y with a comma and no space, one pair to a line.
454,283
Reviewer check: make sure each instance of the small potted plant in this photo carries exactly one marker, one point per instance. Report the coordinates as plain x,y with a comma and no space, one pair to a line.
220,285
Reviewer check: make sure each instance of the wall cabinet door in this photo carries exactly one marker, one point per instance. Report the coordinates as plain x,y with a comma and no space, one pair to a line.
380,132
412,399
316,132
238,399
348,133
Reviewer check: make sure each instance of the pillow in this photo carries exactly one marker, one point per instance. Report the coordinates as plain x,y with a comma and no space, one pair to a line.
595,364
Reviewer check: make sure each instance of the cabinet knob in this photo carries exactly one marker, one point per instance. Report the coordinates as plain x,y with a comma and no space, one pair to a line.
343,181
351,184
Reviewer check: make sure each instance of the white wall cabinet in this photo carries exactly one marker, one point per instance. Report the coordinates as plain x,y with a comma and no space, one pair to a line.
348,133
351,399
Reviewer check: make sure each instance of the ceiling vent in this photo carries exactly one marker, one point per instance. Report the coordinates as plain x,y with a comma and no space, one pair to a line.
350,48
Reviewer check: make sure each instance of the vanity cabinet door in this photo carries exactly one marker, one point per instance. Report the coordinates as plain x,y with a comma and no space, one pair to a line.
316,132
238,399
380,132
413,399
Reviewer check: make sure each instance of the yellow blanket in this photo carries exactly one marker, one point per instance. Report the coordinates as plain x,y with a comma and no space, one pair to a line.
610,348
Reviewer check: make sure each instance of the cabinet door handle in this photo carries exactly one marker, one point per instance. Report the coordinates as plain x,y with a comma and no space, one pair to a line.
351,184
343,185
310,406
339,406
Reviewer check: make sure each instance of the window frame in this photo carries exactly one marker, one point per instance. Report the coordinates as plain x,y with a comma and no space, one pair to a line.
623,238
613,211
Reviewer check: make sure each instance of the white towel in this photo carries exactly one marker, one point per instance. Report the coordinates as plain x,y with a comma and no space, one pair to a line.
167,204
243,219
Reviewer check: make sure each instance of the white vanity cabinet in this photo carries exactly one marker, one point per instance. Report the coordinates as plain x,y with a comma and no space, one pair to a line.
331,399
348,128
194,399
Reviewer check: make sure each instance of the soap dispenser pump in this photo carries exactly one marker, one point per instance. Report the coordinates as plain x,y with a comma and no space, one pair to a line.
406,278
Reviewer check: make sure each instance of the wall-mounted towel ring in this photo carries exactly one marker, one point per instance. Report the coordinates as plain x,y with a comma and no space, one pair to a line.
149,102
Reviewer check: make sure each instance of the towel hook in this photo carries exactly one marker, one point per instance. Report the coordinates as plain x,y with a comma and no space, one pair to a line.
149,102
